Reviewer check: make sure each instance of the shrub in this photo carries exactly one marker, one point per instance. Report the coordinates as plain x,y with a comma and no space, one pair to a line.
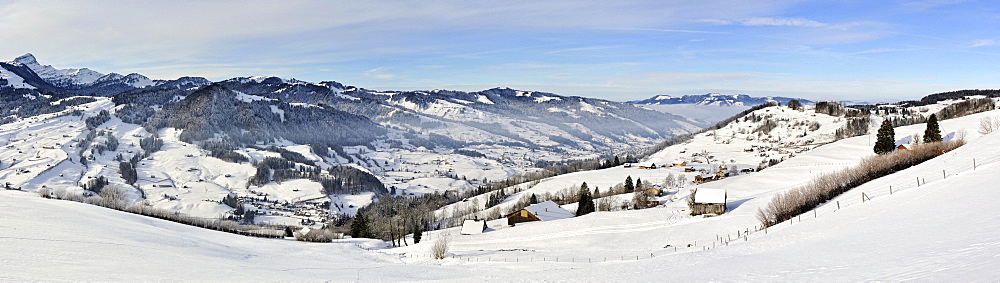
45,193
113,197
441,246
317,235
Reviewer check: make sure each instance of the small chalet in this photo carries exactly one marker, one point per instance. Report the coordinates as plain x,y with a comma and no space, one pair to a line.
903,147
546,211
708,201
647,166
653,191
679,163
470,227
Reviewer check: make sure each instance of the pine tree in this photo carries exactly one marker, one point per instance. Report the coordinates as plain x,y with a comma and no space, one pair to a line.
629,187
886,141
616,161
359,228
586,203
933,131
417,232
638,184
533,199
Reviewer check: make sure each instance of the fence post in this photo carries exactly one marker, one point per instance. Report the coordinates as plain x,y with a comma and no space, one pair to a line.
943,175
838,205
973,164
890,190
814,213
918,181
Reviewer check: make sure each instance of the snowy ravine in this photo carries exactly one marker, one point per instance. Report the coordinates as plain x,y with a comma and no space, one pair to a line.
940,231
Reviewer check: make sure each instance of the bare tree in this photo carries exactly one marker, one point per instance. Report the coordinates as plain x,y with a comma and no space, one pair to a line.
988,125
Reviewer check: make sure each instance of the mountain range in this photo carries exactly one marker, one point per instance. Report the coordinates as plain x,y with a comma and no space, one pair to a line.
412,142
715,99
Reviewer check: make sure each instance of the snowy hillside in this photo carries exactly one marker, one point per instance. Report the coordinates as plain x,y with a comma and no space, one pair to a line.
289,152
939,231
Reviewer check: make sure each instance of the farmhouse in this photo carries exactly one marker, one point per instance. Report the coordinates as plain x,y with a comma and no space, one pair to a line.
679,163
708,201
470,227
647,166
546,211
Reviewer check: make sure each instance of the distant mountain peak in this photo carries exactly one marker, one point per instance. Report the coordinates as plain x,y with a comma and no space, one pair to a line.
716,99
58,77
26,59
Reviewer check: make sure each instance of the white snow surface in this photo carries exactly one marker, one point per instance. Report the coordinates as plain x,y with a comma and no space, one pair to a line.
470,226
13,80
707,195
940,231
548,211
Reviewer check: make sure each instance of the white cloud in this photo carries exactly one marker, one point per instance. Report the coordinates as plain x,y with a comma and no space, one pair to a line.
379,73
984,43
792,22
766,21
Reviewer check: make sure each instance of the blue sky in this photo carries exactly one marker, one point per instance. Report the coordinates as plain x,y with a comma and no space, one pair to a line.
618,50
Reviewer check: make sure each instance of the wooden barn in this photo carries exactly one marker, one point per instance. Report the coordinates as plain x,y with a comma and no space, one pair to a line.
708,201
546,211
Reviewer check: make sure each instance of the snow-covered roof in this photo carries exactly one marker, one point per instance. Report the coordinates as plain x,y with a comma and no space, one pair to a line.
470,227
704,195
548,211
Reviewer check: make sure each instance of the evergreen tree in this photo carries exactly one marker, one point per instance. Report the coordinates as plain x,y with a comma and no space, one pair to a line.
359,228
638,184
886,141
616,162
533,199
418,232
933,131
586,204
795,104
629,187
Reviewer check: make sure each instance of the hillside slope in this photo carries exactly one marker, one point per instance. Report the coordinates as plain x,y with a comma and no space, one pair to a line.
941,230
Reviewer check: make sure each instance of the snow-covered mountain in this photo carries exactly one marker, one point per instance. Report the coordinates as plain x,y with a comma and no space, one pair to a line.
25,72
715,99
58,77
272,131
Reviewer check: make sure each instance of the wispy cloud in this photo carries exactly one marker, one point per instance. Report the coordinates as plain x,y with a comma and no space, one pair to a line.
791,22
766,21
379,73
984,43
882,50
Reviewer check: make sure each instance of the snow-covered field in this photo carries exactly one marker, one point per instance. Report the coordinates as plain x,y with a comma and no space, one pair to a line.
939,231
